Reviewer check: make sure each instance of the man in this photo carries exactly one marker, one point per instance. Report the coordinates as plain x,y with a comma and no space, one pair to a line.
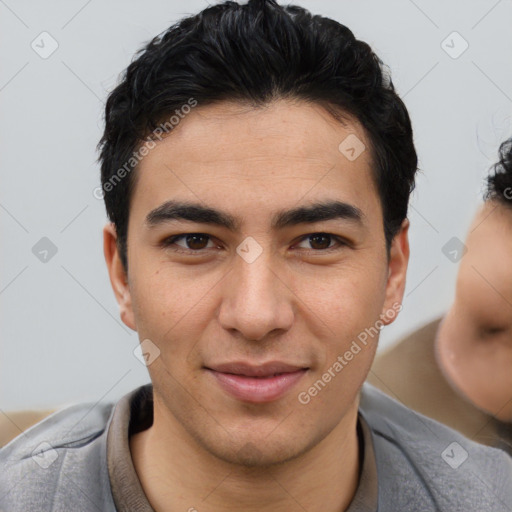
257,166
458,369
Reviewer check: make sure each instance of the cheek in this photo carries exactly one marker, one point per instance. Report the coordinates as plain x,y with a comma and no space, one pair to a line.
353,299
345,311
478,306
332,387
165,303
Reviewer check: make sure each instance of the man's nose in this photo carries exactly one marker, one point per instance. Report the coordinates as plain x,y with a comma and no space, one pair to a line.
256,299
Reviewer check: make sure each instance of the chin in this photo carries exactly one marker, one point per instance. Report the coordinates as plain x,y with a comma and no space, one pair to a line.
257,453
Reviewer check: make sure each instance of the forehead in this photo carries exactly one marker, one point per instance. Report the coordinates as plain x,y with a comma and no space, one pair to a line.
489,256
490,234
281,152
298,129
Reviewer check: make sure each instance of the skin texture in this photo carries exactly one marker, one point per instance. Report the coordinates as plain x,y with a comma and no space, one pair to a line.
298,303
474,343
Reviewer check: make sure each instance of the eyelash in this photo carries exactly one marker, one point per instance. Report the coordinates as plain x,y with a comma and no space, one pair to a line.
169,242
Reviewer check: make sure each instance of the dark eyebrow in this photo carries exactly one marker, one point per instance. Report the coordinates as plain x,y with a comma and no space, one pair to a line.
172,210
322,211
317,212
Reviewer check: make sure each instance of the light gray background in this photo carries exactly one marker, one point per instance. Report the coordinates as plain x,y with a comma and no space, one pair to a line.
61,337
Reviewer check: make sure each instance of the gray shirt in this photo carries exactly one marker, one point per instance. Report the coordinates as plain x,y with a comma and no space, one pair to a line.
78,459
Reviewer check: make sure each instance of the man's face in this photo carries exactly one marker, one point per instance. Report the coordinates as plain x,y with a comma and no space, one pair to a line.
479,324
265,290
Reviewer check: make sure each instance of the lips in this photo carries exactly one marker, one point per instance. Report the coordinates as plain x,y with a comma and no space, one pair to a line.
257,384
264,370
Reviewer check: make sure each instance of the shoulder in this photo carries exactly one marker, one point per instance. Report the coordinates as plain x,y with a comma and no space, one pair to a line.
421,459
14,422
57,457
63,429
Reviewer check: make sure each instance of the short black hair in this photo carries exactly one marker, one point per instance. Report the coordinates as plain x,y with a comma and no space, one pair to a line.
255,53
499,181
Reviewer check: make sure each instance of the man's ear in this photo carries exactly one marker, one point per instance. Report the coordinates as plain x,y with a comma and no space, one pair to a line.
118,277
397,270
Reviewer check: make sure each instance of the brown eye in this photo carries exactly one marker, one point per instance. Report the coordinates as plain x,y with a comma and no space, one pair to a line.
196,241
192,242
322,241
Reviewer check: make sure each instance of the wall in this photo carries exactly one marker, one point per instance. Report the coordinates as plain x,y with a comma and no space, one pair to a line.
61,337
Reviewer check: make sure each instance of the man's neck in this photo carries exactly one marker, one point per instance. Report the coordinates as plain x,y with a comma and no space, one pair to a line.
178,474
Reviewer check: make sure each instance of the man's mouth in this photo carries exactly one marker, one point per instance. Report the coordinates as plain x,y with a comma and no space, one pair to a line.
257,383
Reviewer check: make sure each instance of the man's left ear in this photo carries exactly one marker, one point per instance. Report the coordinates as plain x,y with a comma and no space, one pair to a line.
397,270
